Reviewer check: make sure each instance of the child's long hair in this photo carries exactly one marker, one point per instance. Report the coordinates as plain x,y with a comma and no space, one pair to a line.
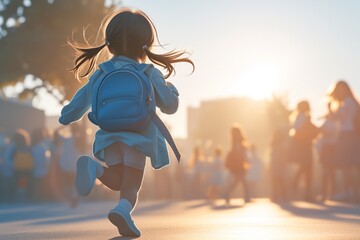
340,90
128,33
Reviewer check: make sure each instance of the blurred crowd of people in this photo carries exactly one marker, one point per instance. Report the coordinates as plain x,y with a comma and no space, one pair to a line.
307,161
39,166
217,174
335,143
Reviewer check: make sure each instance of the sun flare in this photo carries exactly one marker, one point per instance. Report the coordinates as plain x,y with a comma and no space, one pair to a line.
260,81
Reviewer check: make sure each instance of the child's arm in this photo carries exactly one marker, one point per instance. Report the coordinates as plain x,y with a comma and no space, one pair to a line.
77,107
166,93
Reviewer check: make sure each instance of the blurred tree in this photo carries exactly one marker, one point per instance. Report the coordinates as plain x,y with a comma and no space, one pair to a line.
33,36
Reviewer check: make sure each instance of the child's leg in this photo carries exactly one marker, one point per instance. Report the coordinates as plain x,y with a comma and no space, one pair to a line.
130,179
131,184
247,195
231,186
120,216
112,176
87,170
125,171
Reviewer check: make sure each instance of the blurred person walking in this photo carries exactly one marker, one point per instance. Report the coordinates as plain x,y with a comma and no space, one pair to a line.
255,171
20,156
302,134
326,146
198,173
55,181
41,155
9,186
73,147
237,163
345,109
129,36
279,163
216,178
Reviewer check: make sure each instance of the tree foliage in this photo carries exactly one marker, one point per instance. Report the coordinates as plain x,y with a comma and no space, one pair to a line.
33,37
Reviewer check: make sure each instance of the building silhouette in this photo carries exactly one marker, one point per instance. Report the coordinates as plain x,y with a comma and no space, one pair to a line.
212,120
15,114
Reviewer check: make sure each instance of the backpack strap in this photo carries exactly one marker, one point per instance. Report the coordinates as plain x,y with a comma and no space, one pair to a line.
166,134
142,67
107,66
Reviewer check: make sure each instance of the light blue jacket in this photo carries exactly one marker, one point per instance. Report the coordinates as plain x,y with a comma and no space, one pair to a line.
150,142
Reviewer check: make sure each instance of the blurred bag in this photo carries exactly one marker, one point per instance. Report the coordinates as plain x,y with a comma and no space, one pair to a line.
236,161
306,133
23,160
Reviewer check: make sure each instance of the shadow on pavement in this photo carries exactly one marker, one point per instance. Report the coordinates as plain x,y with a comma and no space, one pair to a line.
71,219
44,235
49,213
198,205
143,209
58,213
226,207
121,238
335,212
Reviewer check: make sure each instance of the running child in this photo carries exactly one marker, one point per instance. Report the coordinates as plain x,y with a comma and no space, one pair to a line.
129,36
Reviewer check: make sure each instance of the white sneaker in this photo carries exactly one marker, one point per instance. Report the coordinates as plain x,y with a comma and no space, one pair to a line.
121,218
86,169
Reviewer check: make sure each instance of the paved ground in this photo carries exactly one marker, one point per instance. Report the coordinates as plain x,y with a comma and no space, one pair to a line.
260,220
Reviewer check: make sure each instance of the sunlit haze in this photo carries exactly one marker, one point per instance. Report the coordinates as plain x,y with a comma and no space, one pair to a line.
265,142
257,48
259,82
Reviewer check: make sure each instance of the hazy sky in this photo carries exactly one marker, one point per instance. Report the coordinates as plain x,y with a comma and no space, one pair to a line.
252,48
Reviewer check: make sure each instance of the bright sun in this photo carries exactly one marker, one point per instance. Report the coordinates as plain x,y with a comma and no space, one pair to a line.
260,81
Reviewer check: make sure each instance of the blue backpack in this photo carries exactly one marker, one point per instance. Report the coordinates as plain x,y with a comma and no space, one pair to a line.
125,101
